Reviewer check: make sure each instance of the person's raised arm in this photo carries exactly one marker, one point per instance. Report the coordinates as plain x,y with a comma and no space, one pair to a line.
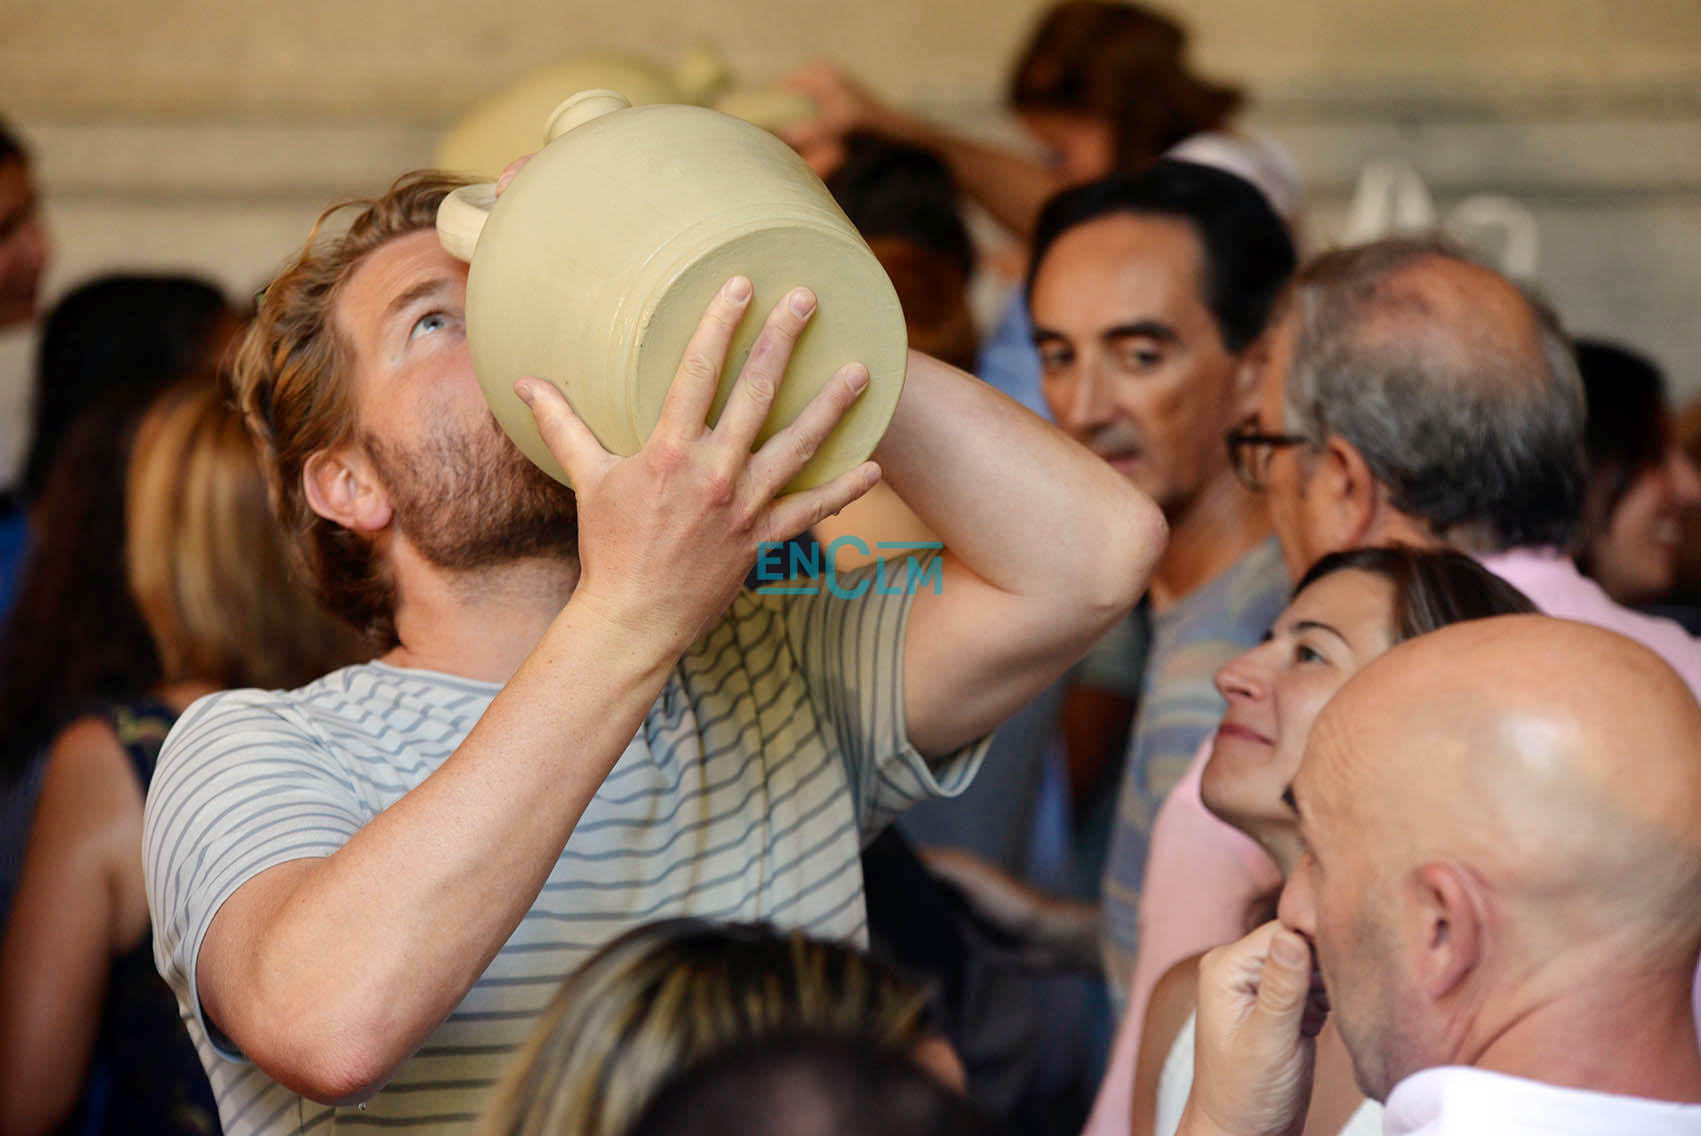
328,973
1046,547
1011,186
79,902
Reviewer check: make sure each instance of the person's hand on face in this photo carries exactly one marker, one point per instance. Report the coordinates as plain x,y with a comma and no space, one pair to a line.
667,535
1260,1010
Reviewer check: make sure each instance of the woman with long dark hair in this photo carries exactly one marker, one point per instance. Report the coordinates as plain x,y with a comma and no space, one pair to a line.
73,635
82,1007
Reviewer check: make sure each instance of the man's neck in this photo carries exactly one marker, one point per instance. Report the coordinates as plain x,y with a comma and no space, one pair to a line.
1222,523
1634,1038
478,625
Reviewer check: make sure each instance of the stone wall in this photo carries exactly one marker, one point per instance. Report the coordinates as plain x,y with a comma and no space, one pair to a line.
203,135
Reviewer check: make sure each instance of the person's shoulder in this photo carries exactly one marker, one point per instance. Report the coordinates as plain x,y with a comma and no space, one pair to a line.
1255,591
87,769
1556,586
1236,607
239,717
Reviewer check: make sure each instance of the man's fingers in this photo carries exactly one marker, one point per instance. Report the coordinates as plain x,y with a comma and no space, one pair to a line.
790,449
792,514
686,410
753,394
1284,985
566,435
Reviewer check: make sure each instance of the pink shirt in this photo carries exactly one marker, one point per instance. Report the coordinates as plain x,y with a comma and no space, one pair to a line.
1553,584
1201,874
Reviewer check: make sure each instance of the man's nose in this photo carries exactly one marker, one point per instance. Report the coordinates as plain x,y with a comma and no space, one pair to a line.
1086,401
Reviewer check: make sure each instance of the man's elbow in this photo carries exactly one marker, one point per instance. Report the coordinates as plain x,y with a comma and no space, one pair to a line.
1118,563
323,1060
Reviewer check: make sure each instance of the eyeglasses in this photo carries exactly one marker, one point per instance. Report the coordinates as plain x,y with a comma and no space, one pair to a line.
1250,449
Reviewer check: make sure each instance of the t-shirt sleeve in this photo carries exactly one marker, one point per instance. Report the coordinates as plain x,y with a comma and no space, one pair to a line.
243,784
848,639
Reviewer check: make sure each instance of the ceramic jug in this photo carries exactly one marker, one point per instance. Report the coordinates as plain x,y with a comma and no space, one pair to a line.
487,135
596,264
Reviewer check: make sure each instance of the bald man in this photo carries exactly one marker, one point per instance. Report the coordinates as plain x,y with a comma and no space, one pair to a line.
1409,396
1501,883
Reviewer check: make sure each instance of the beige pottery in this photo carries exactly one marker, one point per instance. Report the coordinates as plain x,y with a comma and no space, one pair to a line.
489,134
508,123
596,264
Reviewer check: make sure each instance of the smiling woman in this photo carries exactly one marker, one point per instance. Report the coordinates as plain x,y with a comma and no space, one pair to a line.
1206,883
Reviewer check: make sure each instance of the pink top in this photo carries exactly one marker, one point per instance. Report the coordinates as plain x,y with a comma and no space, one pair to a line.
1201,878
1553,584
1201,874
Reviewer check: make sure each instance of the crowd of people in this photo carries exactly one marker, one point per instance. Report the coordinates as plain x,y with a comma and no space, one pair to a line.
1302,737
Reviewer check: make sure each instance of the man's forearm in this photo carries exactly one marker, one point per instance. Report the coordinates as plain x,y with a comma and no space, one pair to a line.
365,952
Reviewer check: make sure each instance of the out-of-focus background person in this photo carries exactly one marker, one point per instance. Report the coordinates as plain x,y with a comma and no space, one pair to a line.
1642,485
73,634
89,1032
675,992
819,1084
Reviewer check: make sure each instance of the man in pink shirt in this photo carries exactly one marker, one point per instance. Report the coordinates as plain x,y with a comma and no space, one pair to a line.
1411,397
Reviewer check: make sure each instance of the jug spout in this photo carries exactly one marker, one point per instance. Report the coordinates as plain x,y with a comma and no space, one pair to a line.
461,217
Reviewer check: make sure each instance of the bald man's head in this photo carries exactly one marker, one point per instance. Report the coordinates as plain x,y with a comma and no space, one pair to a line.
1457,388
1507,811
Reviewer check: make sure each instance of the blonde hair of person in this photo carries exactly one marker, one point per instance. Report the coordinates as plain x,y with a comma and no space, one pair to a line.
668,994
207,563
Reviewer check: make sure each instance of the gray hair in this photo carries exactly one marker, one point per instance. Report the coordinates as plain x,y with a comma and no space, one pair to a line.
1467,429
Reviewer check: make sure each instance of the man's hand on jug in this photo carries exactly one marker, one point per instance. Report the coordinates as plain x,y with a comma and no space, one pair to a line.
667,536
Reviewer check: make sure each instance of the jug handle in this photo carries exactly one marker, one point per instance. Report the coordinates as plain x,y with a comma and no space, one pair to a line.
461,217
462,214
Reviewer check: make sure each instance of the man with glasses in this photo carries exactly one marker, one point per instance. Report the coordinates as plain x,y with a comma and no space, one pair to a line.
1409,397
1150,296
1415,397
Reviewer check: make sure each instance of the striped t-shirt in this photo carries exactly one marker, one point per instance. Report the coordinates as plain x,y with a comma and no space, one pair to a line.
775,750
1179,709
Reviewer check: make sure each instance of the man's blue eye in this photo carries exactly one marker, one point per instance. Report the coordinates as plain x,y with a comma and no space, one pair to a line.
427,324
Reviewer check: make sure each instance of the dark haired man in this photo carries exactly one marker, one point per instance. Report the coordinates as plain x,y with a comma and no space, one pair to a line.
1149,297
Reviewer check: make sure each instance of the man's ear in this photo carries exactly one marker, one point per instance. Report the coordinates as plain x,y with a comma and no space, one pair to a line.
342,486
1451,917
1340,495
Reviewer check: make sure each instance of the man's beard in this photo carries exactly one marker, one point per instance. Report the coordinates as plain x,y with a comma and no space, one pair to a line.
476,502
